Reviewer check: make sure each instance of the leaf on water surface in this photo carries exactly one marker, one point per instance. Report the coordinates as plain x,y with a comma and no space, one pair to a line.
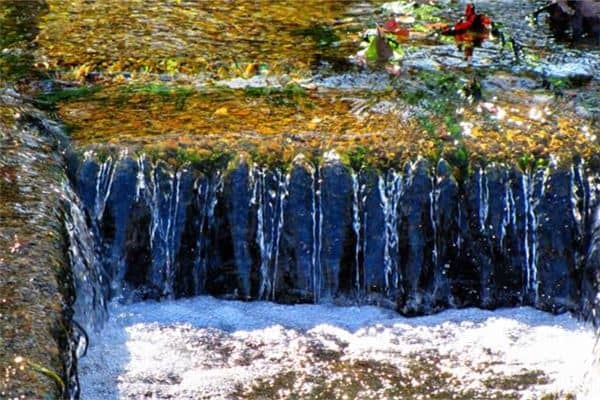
221,112
472,22
392,26
383,46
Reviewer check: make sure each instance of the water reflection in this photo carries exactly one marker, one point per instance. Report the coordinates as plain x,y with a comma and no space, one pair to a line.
211,38
18,29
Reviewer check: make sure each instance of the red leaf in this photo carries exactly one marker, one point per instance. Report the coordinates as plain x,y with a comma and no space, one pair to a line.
471,22
469,11
391,25
402,33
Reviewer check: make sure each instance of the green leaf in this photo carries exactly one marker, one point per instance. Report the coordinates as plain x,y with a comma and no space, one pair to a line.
371,53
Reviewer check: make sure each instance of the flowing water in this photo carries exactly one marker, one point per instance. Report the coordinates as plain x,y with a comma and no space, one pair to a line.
234,350
119,353
250,150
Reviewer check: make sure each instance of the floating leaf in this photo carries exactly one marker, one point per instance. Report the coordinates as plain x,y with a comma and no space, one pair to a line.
472,22
392,26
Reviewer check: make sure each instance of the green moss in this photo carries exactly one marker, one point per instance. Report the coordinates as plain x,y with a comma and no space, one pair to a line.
15,67
290,90
158,89
178,94
438,94
18,27
204,161
459,160
285,96
51,99
529,162
357,157
271,159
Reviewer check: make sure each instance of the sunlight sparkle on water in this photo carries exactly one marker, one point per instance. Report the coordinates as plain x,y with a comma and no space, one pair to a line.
208,347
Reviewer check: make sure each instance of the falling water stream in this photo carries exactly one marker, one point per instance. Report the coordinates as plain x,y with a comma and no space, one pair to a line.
332,257
120,353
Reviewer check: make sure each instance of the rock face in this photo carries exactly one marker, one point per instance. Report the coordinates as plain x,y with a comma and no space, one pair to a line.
579,17
417,239
296,278
36,292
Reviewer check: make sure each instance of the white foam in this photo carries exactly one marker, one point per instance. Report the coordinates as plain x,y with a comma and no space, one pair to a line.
203,347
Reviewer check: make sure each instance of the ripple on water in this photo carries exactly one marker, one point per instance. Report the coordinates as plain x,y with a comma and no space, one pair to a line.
204,347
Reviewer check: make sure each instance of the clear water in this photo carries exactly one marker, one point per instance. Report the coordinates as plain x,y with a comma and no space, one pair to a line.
209,348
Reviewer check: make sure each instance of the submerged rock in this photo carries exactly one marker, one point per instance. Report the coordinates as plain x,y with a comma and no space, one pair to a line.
581,17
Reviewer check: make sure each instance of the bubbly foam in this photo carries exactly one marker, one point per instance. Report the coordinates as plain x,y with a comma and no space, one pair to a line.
209,348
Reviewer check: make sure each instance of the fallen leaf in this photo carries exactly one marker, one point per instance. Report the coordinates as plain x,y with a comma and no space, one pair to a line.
471,22
221,112
392,26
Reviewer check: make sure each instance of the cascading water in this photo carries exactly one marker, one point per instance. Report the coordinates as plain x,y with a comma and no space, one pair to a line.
317,234
433,201
356,206
390,190
356,237
268,197
484,196
89,279
165,222
207,191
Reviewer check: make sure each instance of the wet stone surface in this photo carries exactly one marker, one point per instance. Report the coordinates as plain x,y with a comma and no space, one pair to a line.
33,265
415,239
199,80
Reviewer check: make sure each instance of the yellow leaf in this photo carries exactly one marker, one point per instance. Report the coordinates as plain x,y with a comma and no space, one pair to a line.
221,112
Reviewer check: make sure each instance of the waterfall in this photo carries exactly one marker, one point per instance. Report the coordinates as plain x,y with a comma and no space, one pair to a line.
140,186
284,182
416,241
527,237
356,196
317,219
104,181
537,186
390,188
484,197
365,226
330,232
433,201
164,209
268,196
509,218
207,192
89,277
459,219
